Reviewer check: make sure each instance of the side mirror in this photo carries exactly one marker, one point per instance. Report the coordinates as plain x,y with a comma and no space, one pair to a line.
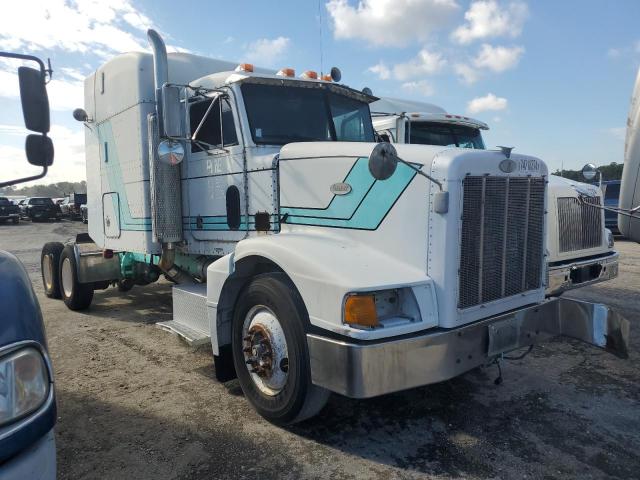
170,152
39,150
35,102
383,161
172,112
589,171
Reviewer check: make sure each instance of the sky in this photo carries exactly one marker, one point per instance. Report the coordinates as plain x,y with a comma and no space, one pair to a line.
553,79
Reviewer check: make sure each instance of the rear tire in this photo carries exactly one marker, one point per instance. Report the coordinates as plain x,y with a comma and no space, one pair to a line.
49,265
125,284
272,309
15,220
76,295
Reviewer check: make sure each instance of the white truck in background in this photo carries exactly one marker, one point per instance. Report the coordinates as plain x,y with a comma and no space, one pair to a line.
629,206
579,247
314,259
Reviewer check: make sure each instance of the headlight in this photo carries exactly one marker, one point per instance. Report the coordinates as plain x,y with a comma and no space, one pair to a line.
24,384
384,308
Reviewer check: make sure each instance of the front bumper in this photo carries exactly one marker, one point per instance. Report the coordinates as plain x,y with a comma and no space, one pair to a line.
581,273
38,462
363,370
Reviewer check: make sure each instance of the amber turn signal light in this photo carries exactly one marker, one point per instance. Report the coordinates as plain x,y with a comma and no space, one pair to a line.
360,311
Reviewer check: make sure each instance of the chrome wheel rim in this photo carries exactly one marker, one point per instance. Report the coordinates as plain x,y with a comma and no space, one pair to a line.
264,347
67,278
47,272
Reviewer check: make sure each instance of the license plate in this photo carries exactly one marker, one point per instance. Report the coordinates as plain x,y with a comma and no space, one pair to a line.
504,336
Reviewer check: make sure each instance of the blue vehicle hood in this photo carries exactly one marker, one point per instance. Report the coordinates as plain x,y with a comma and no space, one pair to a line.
21,321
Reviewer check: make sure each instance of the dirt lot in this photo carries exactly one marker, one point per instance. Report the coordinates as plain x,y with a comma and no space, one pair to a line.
136,403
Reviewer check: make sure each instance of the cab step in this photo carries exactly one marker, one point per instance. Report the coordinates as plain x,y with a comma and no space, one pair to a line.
190,320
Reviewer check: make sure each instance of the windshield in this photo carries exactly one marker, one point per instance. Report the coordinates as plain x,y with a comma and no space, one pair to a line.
40,201
5,201
279,115
426,133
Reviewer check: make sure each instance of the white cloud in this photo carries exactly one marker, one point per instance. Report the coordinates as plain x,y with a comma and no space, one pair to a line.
84,26
267,51
69,160
498,59
425,63
421,87
618,132
467,73
380,69
390,22
487,19
624,52
489,102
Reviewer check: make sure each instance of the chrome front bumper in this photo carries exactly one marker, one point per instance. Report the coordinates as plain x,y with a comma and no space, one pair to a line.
363,370
581,273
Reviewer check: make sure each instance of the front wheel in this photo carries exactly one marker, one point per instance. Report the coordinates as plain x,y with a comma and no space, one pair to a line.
270,351
76,295
15,220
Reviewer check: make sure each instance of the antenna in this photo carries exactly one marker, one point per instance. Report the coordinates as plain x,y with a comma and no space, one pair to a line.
320,27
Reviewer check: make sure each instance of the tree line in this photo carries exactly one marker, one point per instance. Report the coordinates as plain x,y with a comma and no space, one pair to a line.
613,171
53,190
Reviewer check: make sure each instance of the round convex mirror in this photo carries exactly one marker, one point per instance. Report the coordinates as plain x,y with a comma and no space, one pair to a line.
383,161
589,171
170,152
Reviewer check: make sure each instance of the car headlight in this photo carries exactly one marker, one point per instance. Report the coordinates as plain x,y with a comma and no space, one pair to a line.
24,384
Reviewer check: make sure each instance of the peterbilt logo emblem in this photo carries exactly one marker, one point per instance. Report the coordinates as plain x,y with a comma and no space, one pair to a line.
508,166
340,188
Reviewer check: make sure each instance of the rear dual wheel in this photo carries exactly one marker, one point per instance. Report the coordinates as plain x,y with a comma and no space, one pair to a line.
76,295
270,351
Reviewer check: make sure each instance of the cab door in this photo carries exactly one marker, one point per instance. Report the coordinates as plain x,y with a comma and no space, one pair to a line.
214,180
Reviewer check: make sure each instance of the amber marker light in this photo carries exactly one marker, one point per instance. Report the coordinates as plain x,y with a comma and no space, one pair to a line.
360,311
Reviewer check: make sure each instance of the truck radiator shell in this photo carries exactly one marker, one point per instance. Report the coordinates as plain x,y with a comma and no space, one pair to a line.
166,202
579,223
502,238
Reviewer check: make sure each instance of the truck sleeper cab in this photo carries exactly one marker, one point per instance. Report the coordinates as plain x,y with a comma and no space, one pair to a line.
306,269
579,247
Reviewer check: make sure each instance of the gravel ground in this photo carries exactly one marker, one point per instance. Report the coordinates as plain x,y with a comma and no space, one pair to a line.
136,403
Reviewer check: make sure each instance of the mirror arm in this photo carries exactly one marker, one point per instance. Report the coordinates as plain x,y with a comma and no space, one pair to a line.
417,170
25,179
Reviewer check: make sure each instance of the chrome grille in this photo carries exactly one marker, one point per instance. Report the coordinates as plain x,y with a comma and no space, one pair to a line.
502,239
579,224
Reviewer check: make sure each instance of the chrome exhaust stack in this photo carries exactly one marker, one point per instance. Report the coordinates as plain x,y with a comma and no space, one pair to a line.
164,179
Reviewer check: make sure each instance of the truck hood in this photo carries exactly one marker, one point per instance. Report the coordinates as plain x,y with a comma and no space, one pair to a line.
572,223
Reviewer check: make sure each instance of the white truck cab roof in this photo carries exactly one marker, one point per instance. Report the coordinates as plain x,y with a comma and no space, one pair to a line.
421,112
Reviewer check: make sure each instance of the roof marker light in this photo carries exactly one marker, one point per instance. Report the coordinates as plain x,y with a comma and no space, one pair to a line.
327,78
310,75
244,67
286,72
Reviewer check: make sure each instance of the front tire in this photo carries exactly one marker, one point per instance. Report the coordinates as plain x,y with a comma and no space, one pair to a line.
49,265
15,220
76,295
270,351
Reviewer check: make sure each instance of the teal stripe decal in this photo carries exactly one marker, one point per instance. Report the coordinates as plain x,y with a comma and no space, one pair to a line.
364,212
116,183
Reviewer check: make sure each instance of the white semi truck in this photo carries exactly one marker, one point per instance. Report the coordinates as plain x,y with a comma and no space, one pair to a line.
629,207
312,258
579,247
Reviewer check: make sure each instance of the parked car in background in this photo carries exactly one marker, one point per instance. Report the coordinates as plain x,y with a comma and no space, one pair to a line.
58,201
9,211
40,208
611,191
70,206
84,214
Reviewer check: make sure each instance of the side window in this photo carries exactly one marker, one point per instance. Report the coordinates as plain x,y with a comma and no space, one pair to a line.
210,133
